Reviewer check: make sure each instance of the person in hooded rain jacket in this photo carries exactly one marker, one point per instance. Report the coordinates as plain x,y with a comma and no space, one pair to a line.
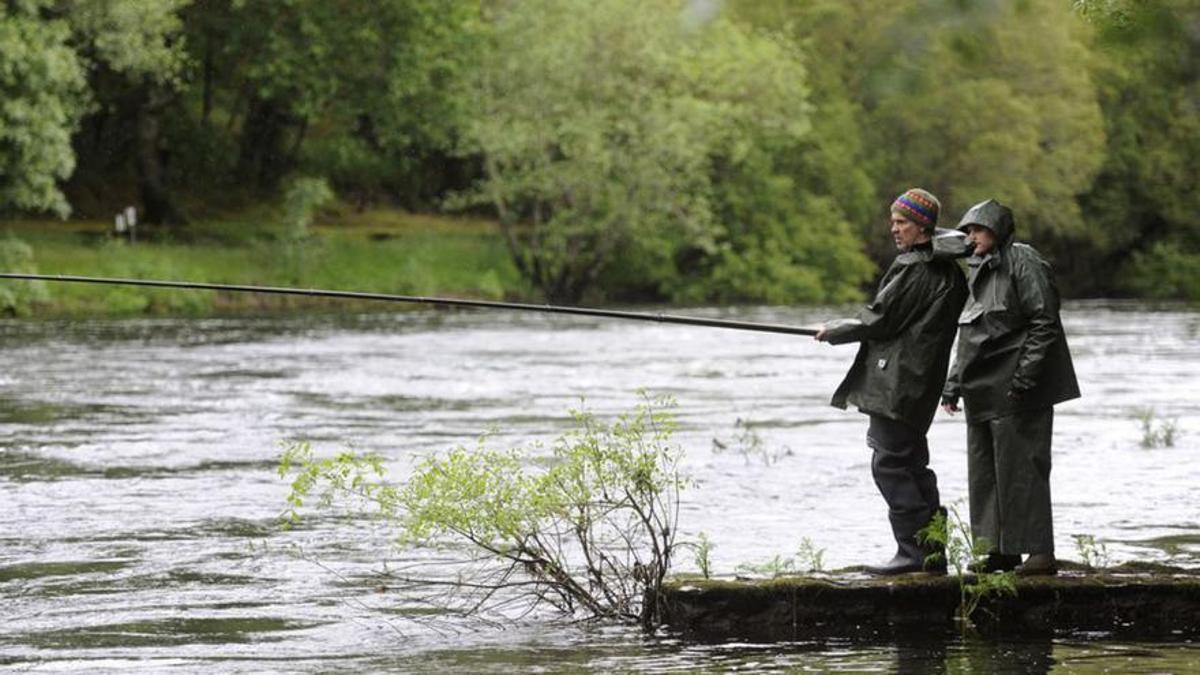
1012,366
906,334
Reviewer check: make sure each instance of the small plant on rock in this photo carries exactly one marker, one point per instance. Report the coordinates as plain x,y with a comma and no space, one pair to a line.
966,553
776,567
1094,554
810,558
703,554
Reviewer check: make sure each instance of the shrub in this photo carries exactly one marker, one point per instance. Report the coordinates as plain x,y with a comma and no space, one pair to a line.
18,297
591,534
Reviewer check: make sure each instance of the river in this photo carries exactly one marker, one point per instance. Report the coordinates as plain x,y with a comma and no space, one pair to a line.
140,499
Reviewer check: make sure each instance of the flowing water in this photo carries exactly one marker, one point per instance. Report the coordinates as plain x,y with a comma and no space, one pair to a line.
139,498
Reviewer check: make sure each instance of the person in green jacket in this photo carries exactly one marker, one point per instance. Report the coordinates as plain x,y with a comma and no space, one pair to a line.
906,334
1012,366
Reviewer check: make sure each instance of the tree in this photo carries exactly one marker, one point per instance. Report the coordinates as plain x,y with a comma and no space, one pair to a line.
968,99
1142,206
367,83
224,98
603,128
845,45
42,98
785,233
781,243
994,100
137,57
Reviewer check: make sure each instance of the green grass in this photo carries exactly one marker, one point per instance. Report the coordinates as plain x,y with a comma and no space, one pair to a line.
381,251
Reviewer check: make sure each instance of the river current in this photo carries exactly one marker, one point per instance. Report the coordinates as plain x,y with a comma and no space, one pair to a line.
139,498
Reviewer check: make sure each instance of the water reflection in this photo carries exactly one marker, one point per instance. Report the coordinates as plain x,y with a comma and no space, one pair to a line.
935,654
1032,655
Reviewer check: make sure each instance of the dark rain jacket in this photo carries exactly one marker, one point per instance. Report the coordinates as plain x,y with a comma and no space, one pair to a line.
906,334
1012,352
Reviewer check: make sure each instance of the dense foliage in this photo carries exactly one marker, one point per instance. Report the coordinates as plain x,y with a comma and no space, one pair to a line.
41,100
690,150
623,131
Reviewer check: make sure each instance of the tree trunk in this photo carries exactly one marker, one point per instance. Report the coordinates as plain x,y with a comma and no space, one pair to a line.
210,71
158,205
261,159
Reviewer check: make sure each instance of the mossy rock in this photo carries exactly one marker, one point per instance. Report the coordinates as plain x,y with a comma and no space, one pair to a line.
1133,600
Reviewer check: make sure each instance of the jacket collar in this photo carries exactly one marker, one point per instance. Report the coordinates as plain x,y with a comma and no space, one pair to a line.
922,252
989,261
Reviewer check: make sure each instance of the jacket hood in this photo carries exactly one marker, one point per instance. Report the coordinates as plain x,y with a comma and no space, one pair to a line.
951,244
994,216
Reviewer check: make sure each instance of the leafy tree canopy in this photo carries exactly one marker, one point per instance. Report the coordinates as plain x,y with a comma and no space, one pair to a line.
602,126
42,98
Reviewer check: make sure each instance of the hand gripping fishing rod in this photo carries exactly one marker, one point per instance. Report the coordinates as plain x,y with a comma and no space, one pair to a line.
416,299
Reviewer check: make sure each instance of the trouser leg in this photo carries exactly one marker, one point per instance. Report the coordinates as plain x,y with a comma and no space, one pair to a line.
1021,445
981,485
900,467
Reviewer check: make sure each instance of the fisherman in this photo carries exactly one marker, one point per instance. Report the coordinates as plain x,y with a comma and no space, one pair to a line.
906,334
1012,366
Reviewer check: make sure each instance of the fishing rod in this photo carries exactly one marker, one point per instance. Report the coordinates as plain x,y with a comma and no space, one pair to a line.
416,299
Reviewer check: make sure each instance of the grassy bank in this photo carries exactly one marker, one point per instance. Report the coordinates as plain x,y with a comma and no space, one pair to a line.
376,251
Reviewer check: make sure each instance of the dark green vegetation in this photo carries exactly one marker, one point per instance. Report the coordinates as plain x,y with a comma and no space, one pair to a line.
623,150
1143,601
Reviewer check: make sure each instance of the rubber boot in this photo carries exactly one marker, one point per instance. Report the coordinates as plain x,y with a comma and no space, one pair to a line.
1038,564
910,558
901,563
996,562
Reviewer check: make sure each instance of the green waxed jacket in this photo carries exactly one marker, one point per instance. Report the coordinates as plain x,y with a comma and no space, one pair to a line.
906,334
1012,351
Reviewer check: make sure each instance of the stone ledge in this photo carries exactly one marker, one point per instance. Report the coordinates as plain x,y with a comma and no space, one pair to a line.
1136,600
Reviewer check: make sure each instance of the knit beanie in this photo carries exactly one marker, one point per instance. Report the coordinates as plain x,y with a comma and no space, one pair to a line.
919,206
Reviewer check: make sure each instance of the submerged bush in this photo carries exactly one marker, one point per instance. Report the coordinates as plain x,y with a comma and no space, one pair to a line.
591,534
1156,432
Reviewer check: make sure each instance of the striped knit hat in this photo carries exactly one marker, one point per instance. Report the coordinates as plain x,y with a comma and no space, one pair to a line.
919,206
